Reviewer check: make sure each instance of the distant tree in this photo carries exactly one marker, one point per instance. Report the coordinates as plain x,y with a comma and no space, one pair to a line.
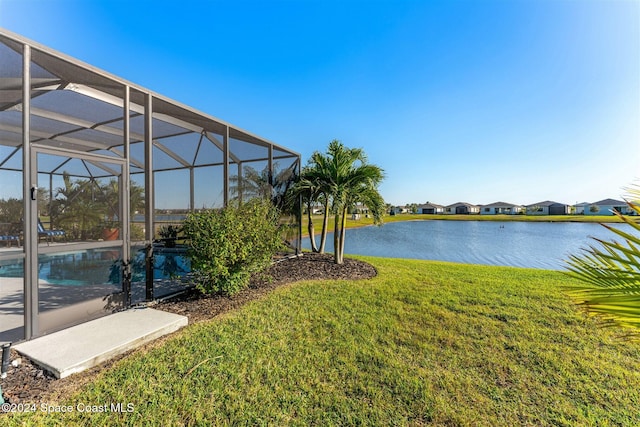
43,202
136,198
76,207
533,209
81,206
11,213
263,184
252,183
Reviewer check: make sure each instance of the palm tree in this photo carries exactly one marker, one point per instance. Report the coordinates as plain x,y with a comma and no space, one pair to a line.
306,189
611,274
319,172
324,198
348,179
264,184
252,183
75,206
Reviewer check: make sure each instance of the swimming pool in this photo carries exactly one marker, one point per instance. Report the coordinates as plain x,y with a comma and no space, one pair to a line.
101,266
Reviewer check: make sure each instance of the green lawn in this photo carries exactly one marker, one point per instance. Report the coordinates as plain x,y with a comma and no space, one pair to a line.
423,343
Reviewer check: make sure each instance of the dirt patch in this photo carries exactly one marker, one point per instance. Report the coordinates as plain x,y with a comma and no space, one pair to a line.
28,383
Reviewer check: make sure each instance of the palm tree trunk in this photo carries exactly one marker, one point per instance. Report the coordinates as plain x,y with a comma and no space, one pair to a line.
312,236
336,238
325,224
343,231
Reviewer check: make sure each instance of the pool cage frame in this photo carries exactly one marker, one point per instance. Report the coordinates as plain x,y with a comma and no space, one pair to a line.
60,117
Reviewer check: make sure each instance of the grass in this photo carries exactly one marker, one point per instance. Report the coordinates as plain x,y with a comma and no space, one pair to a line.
423,343
363,221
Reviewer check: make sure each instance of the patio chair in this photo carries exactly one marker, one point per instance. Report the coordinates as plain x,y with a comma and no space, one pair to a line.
8,235
49,234
9,239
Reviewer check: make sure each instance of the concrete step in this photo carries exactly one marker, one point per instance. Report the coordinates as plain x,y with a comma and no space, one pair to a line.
86,345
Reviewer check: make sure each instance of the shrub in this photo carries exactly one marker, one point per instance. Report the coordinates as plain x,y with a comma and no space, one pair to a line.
137,232
227,245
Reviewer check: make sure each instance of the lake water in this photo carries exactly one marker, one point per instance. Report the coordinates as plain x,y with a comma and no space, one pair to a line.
543,245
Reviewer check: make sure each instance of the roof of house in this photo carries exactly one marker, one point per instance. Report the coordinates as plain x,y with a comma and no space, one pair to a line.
430,205
469,205
609,202
546,203
500,204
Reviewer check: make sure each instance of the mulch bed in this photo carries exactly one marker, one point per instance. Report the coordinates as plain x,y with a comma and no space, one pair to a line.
27,383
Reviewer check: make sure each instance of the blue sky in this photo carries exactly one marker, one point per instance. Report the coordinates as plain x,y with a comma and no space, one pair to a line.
478,101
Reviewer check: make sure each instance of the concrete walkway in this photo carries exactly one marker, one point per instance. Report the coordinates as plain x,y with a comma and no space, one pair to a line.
86,345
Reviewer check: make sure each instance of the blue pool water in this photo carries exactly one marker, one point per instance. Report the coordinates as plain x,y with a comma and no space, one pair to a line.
101,267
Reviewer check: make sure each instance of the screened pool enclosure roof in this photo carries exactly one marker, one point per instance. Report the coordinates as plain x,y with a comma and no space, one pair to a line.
77,107
93,171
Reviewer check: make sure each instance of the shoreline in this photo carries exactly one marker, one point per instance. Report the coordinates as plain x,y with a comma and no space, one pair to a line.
365,222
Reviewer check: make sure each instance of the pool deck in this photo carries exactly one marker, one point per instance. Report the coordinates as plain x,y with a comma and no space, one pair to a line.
87,345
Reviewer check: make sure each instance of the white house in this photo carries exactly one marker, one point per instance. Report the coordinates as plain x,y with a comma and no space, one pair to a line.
361,208
399,210
501,208
431,208
462,208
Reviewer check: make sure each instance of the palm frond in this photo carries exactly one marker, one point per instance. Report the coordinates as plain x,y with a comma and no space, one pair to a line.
611,275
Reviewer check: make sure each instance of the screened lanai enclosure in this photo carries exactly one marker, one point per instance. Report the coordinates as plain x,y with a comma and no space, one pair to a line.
92,170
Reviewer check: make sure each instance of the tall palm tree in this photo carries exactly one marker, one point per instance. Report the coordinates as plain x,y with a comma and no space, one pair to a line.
611,274
349,179
319,171
306,189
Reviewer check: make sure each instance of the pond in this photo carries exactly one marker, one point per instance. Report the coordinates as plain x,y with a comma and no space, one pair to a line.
545,245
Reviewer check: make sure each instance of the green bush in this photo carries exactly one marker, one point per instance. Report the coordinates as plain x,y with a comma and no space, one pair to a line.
227,245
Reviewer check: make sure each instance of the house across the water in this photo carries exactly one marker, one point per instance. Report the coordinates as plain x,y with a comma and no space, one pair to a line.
501,208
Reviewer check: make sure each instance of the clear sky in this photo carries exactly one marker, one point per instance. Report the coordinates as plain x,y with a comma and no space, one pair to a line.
478,101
